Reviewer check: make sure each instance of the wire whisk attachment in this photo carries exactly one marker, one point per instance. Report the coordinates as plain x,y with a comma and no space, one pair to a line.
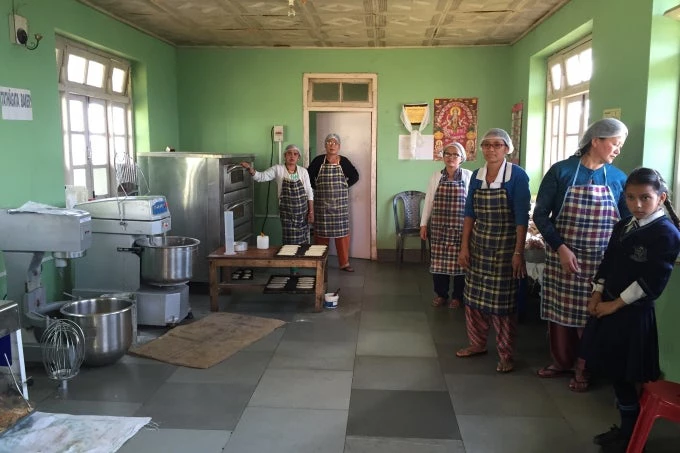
63,350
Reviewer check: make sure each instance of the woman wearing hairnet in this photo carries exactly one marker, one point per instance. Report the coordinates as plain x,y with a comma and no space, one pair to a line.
331,176
444,209
579,201
492,249
296,197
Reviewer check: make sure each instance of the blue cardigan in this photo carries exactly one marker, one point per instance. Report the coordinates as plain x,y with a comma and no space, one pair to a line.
555,184
519,196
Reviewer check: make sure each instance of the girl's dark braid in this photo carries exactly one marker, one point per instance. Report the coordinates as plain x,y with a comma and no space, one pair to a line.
652,177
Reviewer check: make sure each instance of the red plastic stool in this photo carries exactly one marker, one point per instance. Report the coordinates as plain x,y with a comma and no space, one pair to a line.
659,399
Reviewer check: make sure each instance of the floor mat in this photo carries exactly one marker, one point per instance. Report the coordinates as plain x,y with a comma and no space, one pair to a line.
208,341
73,433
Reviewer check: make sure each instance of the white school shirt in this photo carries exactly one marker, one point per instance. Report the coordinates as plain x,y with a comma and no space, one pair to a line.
279,172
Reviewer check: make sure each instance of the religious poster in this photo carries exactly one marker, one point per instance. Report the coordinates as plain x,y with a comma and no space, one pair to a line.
455,120
516,132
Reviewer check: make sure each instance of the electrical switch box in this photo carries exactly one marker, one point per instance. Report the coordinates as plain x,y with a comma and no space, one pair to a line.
278,133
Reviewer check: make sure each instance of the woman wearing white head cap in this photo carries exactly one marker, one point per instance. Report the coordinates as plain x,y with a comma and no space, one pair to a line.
296,198
444,209
579,201
332,175
492,249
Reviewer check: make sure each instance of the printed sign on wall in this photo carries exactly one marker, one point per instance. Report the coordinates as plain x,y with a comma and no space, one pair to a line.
16,104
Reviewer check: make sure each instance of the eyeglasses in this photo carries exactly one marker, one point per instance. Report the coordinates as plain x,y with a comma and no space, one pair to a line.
494,146
331,142
452,155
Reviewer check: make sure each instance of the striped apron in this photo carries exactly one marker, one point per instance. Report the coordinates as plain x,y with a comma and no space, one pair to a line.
331,202
293,209
489,284
446,225
585,222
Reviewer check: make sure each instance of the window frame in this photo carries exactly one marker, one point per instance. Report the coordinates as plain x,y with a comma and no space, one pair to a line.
105,96
560,98
368,103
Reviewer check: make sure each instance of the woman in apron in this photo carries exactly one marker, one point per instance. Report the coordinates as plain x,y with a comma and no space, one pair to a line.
444,210
579,202
331,177
296,197
492,249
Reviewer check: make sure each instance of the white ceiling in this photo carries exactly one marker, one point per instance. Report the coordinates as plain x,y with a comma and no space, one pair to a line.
332,23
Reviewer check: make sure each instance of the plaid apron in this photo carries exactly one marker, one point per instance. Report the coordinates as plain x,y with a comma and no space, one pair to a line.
331,202
585,222
446,225
293,210
489,284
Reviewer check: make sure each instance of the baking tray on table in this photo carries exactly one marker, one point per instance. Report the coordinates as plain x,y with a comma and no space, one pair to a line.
300,252
290,284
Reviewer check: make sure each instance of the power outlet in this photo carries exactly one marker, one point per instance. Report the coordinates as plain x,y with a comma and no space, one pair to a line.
278,133
16,22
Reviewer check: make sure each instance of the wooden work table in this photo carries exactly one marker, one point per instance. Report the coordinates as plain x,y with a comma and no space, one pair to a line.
254,257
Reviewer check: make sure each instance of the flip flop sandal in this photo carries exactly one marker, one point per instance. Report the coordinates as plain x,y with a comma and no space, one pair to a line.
550,371
469,352
347,269
438,301
579,384
505,366
455,303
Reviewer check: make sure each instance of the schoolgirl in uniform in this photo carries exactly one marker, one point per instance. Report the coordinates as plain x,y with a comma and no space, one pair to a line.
620,340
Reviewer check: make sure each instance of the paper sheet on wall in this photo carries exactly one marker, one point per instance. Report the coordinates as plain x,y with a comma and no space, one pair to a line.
423,149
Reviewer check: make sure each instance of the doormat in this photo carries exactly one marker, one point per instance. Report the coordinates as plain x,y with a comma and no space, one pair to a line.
208,341
45,432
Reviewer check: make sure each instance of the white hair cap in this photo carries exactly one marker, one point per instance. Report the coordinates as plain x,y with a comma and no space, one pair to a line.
604,128
459,148
499,133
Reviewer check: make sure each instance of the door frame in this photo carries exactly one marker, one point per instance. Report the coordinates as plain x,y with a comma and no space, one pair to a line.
338,107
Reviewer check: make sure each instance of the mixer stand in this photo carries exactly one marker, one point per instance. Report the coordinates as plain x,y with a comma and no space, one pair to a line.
162,305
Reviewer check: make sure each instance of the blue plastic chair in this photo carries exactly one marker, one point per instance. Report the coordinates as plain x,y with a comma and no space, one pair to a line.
407,220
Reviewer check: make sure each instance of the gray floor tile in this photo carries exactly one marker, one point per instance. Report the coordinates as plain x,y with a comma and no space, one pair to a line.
502,395
121,382
204,406
319,355
392,303
395,344
306,389
314,328
391,287
80,407
481,364
397,373
356,444
176,441
268,343
489,434
279,430
401,321
243,368
402,414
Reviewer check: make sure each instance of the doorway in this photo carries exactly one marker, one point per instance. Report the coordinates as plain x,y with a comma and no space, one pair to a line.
352,115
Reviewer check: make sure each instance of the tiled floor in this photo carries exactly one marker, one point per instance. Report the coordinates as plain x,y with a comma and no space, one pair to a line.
378,374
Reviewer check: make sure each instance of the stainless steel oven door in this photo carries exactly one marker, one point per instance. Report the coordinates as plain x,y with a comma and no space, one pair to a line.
235,177
242,210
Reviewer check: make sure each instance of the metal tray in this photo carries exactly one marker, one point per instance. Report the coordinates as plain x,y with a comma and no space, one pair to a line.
290,286
300,252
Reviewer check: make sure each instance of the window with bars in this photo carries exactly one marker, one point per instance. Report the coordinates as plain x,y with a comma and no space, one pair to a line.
568,101
96,110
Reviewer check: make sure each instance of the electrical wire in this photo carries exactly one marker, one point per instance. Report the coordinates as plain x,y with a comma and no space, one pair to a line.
269,184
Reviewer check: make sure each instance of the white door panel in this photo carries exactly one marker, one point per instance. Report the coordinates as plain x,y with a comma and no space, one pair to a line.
354,129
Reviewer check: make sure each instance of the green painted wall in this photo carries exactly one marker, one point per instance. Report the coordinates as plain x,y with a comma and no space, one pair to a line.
31,151
230,99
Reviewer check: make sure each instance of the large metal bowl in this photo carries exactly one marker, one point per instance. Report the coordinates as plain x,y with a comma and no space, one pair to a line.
167,261
107,325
